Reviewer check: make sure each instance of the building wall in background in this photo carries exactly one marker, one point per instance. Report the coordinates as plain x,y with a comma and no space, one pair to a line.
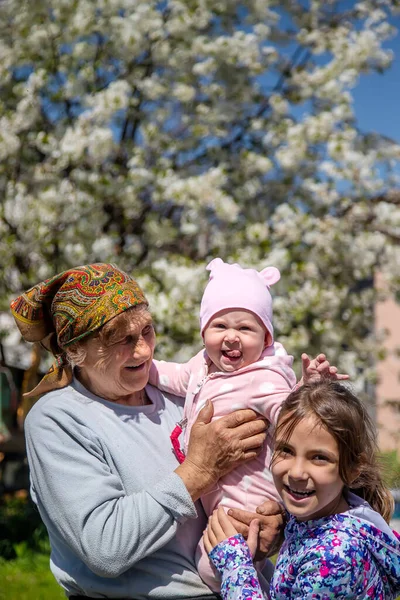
387,318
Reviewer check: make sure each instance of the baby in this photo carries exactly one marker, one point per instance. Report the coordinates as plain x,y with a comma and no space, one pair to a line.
241,367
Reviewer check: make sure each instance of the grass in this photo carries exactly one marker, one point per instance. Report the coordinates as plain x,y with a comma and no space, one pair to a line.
24,553
28,576
390,465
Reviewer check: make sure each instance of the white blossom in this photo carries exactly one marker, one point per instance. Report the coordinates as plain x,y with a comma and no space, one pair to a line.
161,135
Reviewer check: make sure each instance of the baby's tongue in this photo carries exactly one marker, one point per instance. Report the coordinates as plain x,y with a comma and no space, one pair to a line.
232,353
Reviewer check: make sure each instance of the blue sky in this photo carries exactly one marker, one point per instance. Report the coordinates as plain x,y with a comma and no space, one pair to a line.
377,97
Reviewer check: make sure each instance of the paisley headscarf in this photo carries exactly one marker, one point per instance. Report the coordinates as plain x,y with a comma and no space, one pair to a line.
69,307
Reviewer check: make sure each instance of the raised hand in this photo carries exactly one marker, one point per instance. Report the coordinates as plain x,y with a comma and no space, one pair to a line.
319,368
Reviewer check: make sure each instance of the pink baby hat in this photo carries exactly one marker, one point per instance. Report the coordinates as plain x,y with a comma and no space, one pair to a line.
230,286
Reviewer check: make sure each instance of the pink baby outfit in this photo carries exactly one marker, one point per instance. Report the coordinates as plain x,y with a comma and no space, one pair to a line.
262,386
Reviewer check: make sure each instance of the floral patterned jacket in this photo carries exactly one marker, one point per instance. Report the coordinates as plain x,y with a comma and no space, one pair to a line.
352,555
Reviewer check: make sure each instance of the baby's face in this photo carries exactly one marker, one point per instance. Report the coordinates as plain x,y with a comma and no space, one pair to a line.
235,339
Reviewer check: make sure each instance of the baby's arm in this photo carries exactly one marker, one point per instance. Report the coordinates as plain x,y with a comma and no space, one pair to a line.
171,377
269,388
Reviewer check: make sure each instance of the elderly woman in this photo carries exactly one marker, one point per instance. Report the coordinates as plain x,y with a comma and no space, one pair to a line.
121,513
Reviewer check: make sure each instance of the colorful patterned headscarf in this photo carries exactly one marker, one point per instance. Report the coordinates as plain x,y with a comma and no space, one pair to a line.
69,307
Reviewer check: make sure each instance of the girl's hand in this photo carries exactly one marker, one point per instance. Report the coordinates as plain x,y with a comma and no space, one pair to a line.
220,528
319,368
271,518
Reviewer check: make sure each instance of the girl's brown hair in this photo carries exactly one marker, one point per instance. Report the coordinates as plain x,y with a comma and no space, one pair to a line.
344,416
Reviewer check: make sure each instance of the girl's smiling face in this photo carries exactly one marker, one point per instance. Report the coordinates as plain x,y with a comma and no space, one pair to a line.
305,469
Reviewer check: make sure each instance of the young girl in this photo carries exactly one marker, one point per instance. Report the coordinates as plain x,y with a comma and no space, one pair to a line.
337,542
241,367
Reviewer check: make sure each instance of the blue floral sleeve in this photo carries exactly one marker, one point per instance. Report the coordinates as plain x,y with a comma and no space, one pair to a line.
335,578
340,569
233,561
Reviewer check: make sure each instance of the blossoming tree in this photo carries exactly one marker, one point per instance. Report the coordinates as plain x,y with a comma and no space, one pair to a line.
159,135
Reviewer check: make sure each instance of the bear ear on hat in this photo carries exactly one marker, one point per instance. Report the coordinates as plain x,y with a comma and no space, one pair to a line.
215,264
270,275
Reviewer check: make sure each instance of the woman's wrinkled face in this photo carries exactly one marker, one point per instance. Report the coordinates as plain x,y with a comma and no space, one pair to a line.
119,369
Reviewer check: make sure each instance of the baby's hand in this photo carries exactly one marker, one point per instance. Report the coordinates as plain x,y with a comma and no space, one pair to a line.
319,368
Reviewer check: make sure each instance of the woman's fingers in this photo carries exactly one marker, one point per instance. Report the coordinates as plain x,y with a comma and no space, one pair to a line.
246,429
271,518
253,444
217,447
240,526
245,421
267,508
270,507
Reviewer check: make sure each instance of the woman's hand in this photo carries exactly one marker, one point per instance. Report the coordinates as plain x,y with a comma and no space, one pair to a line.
217,447
220,528
319,368
271,517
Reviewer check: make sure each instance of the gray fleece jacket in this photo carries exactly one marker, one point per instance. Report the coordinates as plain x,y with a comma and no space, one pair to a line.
121,523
